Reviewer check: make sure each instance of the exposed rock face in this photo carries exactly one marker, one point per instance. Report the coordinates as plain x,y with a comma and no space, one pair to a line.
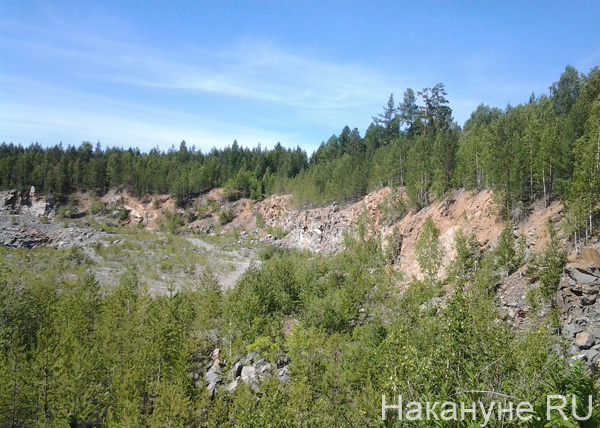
250,370
24,231
578,302
591,256
24,202
21,225
323,229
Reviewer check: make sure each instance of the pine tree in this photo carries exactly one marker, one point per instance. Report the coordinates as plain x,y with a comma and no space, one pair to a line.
553,263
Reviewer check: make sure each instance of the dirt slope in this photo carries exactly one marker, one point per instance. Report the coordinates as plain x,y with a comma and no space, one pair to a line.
323,229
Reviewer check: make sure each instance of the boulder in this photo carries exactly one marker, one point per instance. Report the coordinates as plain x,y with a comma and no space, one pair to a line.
232,386
592,355
213,375
582,276
588,300
237,369
213,379
250,358
584,340
262,368
573,329
248,374
591,255
590,289
283,374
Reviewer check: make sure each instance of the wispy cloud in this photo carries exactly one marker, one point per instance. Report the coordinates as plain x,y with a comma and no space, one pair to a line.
252,70
251,88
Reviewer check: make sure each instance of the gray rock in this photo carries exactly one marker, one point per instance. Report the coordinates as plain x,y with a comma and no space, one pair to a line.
573,329
262,367
587,300
237,369
592,356
582,276
232,386
283,374
584,340
213,376
212,388
248,374
250,358
283,361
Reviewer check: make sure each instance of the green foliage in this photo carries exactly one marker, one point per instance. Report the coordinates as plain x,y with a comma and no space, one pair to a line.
467,254
260,221
552,263
226,215
393,208
393,246
70,210
73,353
542,149
172,221
505,252
97,206
277,232
428,250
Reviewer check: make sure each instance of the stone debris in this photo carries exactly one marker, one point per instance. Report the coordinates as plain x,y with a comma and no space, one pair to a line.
577,301
250,370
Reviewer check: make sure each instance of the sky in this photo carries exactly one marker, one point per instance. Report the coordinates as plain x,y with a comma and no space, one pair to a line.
153,73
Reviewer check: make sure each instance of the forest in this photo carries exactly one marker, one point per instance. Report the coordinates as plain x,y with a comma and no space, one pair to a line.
335,330
545,148
74,355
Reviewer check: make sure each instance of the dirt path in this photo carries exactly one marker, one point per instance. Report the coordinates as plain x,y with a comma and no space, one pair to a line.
237,261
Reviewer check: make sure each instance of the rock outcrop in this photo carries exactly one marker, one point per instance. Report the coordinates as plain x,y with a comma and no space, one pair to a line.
25,202
24,231
250,370
26,222
579,305
323,229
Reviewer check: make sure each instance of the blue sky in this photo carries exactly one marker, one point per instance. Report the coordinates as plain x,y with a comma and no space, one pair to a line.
154,73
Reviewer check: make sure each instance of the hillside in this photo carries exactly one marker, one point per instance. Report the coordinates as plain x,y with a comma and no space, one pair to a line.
266,299
240,275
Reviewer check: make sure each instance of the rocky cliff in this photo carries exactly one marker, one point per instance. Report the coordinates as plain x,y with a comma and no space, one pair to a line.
323,229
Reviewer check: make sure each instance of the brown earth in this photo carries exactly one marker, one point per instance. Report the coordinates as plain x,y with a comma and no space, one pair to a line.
323,229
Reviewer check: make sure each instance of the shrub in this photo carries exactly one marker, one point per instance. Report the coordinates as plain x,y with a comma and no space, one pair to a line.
393,208
172,222
226,216
97,206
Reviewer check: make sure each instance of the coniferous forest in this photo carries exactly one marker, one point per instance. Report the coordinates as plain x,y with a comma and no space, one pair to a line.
545,148
334,330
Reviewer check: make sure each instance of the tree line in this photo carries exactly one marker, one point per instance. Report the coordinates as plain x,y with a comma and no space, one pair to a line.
548,147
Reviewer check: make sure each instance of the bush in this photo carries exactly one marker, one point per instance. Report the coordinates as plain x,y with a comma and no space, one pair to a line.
97,206
260,221
226,216
172,222
393,208
277,232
